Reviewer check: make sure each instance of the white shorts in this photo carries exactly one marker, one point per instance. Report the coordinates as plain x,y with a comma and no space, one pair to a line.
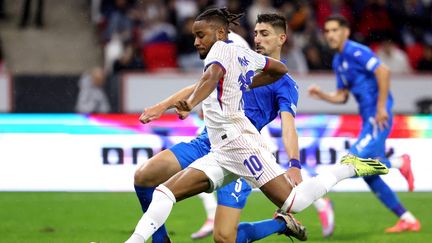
246,156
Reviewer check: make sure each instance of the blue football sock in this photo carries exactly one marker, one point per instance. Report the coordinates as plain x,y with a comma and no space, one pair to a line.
386,161
385,194
248,232
145,195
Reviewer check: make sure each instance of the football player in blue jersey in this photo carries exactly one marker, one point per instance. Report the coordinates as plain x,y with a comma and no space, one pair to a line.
360,72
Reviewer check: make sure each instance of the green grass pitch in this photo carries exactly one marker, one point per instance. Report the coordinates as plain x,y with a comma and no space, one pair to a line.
110,217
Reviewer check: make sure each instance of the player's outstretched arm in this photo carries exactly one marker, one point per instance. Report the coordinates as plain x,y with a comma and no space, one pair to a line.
340,96
154,112
274,71
382,74
290,141
203,89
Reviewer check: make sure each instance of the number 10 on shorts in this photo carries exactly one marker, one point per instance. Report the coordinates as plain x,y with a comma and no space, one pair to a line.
254,165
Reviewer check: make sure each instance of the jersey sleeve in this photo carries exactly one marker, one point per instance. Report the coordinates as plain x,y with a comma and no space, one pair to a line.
286,92
366,58
219,55
259,61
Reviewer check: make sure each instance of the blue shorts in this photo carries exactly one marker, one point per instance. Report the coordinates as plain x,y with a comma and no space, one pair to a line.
235,194
186,153
371,142
232,195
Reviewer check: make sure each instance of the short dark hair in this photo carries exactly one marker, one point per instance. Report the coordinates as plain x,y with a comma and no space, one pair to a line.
342,21
275,20
221,15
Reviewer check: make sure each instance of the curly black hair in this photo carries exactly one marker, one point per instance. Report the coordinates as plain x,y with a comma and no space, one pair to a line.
221,15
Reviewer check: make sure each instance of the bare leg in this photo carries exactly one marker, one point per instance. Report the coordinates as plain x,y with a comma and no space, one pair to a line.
157,169
277,190
226,222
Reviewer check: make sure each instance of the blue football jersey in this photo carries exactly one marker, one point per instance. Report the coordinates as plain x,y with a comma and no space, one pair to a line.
263,104
354,68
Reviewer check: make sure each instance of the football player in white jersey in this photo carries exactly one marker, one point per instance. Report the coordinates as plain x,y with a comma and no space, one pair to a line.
237,148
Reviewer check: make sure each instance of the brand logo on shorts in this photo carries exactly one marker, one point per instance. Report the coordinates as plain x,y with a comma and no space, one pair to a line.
258,176
235,196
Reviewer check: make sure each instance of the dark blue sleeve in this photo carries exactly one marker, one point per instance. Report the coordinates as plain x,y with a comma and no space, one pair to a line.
286,91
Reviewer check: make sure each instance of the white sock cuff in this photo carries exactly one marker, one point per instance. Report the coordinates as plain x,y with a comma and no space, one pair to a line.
286,207
165,190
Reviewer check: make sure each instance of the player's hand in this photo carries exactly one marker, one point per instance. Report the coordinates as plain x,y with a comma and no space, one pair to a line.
183,108
314,91
151,113
294,175
382,118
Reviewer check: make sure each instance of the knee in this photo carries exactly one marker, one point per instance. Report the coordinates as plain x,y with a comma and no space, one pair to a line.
223,236
142,178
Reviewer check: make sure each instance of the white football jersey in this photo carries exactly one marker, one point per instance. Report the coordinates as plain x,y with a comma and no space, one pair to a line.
237,39
223,109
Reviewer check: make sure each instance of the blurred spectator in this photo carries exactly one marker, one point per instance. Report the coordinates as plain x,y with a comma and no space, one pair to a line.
297,15
413,19
204,4
258,7
155,27
314,59
325,8
161,28
425,63
25,14
129,60
157,38
120,16
185,9
113,51
293,56
234,6
188,57
395,58
119,23
375,23
91,96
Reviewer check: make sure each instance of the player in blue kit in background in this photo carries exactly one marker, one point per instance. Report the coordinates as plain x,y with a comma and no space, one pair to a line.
360,72
262,105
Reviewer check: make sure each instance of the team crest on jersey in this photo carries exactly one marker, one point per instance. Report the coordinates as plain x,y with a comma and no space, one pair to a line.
243,61
345,65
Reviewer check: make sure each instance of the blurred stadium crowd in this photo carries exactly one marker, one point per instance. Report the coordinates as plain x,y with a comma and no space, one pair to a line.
155,34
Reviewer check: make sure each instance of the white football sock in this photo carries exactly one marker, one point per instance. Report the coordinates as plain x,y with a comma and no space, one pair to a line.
409,217
156,215
310,190
210,204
